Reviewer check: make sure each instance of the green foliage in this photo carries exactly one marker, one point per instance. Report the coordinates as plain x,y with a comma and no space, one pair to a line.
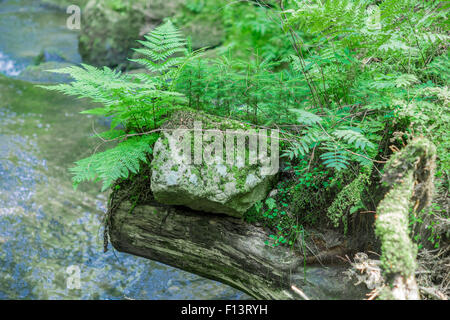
355,93
349,200
334,157
343,87
137,105
114,163
275,214
160,46
242,89
427,113
339,145
307,118
252,26
349,82
309,192
353,137
358,82
438,216
429,228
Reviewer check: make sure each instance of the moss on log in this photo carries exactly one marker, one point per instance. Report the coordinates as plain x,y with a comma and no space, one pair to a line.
409,173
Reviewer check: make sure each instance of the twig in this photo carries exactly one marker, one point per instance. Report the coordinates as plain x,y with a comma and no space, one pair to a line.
299,292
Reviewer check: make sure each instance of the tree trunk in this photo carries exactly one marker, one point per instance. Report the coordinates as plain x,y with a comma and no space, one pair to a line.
228,250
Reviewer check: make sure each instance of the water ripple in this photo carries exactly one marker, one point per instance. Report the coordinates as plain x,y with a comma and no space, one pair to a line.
8,66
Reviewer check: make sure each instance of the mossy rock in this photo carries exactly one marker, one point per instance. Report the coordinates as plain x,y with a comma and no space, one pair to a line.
63,4
110,29
216,186
108,33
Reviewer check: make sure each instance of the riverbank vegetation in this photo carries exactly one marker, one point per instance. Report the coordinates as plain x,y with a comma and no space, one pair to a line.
347,83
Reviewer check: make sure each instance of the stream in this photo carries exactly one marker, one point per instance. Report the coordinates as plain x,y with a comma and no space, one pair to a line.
47,229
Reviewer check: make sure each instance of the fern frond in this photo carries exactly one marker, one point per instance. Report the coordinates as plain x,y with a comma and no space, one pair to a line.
160,46
406,80
303,144
335,157
307,118
138,101
114,163
105,86
353,137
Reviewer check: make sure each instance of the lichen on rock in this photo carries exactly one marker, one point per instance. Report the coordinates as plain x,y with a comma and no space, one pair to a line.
212,185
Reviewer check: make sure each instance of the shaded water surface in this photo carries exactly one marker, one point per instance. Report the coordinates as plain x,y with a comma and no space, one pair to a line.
27,28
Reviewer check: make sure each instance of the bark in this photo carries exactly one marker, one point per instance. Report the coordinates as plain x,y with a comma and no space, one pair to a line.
225,249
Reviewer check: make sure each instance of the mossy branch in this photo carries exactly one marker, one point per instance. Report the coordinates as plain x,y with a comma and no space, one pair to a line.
409,173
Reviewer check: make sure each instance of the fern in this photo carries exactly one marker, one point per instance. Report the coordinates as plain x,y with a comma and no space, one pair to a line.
159,49
114,163
334,157
137,102
303,144
333,39
307,118
351,136
337,144
439,68
105,86
406,80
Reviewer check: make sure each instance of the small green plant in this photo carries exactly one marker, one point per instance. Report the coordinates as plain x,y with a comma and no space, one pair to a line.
349,200
274,213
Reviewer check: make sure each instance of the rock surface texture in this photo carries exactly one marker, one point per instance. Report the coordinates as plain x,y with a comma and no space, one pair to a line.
110,29
215,186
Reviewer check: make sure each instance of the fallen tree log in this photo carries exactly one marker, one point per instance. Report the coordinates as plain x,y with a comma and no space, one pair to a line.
409,174
225,249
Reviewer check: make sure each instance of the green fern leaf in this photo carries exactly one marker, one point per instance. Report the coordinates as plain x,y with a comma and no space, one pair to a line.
160,49
114,163
354,138
335,157
307,118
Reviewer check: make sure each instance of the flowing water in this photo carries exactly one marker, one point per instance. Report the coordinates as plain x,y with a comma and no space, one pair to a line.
48,231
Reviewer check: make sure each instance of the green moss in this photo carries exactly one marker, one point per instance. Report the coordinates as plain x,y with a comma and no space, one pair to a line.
240,175
392,228
413,166
348,198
